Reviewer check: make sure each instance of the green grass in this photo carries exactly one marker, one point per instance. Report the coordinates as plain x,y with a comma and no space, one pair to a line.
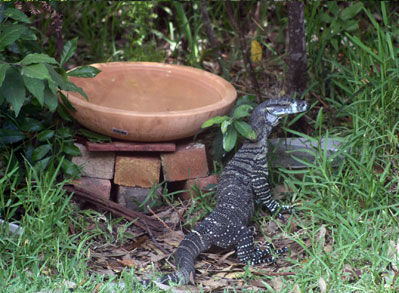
43,255
356,202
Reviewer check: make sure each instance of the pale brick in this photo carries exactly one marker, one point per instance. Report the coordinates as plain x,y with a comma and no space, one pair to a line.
202,183
99,187
188,162
95,165
137,171
132,197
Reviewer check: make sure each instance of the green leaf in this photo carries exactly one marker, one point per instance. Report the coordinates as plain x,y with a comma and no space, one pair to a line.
351,26
8,136
56,77
28,152
42,164
50,99
70,169
242,111
3,68
63,83
16,15
45,135
65,132
28,124
92,136
66,103
9,34
69,50
38,58
38,71
40,152
13,89
225,125
245,130
28,35
246,100
52,86
35,87
351,11
230,139
71,149
333,7
214,120
84,71
63,113
325,17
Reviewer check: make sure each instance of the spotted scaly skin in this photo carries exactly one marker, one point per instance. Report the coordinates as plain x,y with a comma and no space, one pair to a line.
243,182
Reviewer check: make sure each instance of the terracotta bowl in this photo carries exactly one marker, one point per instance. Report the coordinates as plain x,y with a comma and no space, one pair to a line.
145,101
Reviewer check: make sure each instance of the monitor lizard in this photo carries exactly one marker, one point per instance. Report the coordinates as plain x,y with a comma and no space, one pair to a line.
244,182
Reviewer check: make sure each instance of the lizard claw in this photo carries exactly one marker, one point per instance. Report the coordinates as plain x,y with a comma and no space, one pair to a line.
284,210
280,216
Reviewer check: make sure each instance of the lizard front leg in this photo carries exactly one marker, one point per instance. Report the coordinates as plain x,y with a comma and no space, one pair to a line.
260,187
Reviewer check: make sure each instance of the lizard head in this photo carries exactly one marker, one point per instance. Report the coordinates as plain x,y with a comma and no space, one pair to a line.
269,113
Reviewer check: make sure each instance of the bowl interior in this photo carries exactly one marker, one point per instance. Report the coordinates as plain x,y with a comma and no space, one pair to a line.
152,88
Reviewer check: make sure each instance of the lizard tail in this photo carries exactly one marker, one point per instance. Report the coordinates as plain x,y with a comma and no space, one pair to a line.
190,247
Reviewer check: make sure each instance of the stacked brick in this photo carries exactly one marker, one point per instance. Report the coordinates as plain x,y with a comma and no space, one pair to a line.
135,169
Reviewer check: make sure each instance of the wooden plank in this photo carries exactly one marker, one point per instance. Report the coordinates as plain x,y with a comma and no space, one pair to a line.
131,147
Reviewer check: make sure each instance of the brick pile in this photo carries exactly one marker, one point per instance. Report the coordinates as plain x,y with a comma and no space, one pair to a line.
133,170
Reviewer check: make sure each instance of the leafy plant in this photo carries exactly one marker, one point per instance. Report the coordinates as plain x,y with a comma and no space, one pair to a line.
112,31
328,23
234,126
30,84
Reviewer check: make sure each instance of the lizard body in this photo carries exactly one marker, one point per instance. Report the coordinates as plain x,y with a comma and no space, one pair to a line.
244,182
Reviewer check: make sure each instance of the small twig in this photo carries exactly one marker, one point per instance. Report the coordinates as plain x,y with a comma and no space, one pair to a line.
163,223
328,108
244,49
277,274
174,208
154,241
258,24
184,209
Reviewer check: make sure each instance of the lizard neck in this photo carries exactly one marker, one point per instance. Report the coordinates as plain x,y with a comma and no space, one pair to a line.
262,135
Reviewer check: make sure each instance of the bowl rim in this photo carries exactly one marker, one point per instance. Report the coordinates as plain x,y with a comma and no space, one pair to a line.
228,98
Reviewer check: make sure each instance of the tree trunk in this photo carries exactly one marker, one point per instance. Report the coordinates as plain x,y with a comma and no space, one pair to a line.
296,74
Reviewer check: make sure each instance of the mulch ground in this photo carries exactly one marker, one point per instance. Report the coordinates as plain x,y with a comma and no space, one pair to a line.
150,251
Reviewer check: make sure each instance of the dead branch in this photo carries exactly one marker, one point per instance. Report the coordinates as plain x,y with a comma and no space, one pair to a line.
115,208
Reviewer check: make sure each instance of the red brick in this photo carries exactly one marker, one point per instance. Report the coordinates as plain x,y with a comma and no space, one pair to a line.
201,183
137,171
100,187
188,162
